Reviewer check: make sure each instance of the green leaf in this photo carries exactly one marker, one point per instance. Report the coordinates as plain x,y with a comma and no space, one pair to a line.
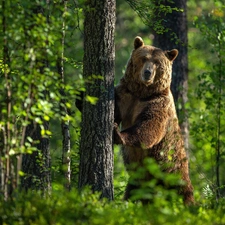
93,100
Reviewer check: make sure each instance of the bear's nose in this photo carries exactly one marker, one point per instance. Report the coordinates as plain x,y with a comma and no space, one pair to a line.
147,74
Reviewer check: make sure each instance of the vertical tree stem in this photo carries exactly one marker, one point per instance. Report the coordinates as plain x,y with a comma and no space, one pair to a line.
7,131
96,149
218,135
66,161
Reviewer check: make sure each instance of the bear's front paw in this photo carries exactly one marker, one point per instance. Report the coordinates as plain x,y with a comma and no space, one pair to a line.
117,135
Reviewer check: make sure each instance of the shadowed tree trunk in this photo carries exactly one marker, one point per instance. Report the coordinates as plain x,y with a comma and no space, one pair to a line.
176,37
37,165
96,149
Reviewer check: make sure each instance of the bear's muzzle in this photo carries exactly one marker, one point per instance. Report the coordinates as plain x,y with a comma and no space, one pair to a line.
147,74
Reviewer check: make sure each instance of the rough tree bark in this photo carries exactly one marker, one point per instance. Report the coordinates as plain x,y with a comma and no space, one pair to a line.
176,37
96,149
36,166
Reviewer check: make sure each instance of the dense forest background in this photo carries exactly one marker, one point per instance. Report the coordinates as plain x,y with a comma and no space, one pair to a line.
41,64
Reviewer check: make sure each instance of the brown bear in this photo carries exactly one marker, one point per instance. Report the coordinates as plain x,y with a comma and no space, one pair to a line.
144,107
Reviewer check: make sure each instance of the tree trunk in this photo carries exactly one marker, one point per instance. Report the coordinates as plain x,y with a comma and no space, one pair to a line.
176,37
96,149
65,125
36,166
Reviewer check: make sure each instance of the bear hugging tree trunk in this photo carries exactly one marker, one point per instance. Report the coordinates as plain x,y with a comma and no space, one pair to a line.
144,107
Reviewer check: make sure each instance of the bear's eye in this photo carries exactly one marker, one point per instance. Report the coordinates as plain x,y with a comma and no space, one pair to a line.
156,62
144,59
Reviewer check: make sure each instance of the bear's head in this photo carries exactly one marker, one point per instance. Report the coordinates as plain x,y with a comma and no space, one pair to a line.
149,69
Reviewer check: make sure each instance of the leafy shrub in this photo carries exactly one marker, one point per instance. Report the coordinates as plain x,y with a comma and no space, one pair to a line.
84,207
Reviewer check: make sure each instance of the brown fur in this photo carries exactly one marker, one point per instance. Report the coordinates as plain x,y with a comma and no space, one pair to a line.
145,108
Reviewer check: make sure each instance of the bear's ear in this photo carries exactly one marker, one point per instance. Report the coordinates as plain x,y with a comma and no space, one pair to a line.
138,42
171,55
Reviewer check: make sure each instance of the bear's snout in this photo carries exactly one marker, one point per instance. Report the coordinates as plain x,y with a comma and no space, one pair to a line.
147,74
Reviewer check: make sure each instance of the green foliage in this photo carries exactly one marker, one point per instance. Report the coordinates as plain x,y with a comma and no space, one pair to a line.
33,89
153,13
161,187
208,133
120,174
84,207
